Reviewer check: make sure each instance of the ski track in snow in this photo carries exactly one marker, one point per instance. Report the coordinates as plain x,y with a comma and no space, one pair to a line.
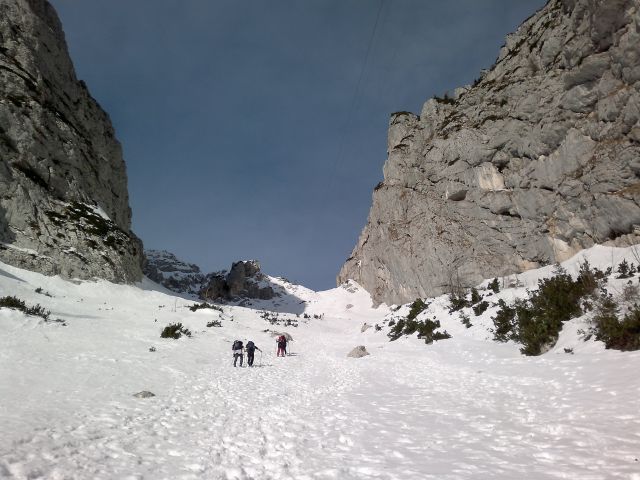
464,408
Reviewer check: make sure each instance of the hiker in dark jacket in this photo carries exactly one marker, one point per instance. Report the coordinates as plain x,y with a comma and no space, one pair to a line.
251,350
282,346
237,352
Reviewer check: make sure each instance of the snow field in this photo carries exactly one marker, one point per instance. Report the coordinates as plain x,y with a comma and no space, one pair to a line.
458,409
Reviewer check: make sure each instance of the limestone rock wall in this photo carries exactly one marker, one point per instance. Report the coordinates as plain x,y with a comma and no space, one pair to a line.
64,205
244,280
537,160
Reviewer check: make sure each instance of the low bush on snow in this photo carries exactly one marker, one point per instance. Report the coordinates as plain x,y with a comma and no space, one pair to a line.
536,322
494,286
460,301
175,330
480,308
16,304
616,333
426,329
465,320
198,306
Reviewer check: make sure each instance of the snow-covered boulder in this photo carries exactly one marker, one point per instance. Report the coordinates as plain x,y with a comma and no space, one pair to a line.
358,352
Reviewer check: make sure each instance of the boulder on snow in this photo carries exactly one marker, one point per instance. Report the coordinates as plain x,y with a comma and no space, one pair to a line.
144,394
358,352
365,327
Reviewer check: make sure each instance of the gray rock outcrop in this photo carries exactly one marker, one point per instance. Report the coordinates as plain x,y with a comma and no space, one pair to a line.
166,269
144,394
244,280
64,205
537,160
358,352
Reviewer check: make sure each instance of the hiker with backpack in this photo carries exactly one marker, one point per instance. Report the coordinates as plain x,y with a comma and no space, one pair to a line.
282,346
251,350
237,352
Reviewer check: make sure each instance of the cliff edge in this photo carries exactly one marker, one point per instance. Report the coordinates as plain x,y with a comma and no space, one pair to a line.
64,206
539,159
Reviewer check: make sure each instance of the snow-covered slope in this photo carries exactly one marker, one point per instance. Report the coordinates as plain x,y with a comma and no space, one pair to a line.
462,408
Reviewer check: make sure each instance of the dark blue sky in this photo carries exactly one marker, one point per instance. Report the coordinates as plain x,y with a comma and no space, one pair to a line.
253,128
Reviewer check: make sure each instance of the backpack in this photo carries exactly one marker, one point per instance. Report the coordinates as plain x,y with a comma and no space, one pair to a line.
282,341
250,346
237,345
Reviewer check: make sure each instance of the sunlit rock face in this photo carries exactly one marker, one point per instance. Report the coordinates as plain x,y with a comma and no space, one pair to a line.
537,160
64,206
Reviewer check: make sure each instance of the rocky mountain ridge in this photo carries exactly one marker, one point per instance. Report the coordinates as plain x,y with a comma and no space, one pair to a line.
177,275
539,159
244,280
64,206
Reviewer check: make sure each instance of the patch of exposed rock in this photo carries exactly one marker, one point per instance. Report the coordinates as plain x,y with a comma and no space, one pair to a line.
244,280
64,205
144,394
537,160
166,269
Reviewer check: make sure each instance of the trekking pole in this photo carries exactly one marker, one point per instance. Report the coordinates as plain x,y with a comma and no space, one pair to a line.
260,357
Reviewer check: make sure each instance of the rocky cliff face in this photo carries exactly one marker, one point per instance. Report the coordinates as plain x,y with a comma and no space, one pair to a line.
243,281
538,159
166,269
63,186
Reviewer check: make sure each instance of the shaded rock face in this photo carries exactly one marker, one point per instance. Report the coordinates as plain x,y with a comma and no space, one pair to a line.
166,269
63,186
244,280
537,160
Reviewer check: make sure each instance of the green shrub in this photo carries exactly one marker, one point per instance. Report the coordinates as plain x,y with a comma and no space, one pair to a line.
16,304
480,308
417,307
475,296
458,302
426,330
38,311
494,285
466,321
397,329
504,322
536,322
198,306
540,318
625,270
437,336
175,330
616,334
13,302
214,323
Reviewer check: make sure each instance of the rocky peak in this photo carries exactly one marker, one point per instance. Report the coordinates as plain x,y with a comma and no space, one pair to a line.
64,205
244,280
166,269
536,160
